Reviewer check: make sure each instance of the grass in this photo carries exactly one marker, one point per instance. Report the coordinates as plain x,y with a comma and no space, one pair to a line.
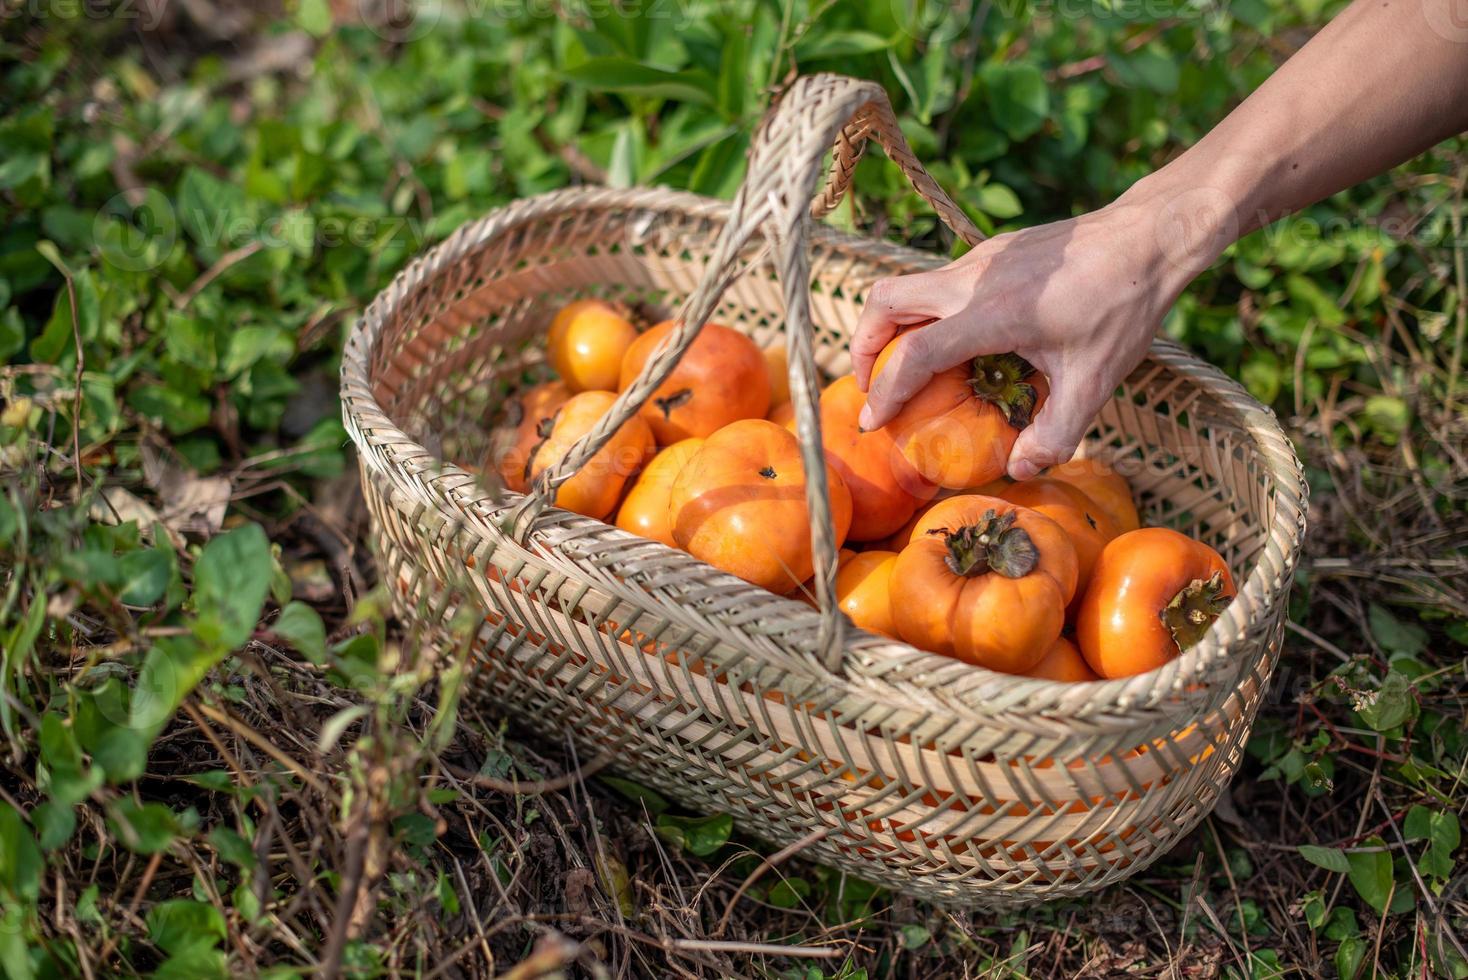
220,757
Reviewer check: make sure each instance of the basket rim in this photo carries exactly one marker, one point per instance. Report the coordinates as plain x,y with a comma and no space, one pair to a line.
444,484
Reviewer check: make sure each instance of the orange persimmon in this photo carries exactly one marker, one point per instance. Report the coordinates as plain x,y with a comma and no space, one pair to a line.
594,490
586,344
863,590
1089,527
885,488
1063,662
984,581
1153,594
777,363
958,430
526,423
1105,486
721,378
644,511
739,504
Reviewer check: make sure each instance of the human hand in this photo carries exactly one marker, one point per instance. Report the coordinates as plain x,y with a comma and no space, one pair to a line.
1079,299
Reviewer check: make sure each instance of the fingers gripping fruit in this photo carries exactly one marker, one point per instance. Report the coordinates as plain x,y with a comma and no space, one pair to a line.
984,581
1103,485
645,509
594,490
739,504
527,422
958,431
720,379
863,590
885,489
1088,526
587,341
1153,594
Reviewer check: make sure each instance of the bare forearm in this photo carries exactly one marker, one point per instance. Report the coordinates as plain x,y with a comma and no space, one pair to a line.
1378,85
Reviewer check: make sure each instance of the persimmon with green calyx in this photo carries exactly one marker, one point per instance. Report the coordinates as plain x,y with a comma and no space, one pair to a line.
739,504
984,581
721,378
524,426
597,486
958,431
1154,593
586,344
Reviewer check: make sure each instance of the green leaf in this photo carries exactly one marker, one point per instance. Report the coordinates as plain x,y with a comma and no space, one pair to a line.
231,580
1017,96
1329,858
788,893
998,201
637,793
147,828
314,16
54,822
915,936
181,923
699,836
1443,834
300,626
635,78
145,575
1349,956
1393,635
1391,705
21,863
1370,873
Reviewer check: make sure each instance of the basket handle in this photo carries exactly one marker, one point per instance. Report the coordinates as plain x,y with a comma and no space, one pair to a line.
816,112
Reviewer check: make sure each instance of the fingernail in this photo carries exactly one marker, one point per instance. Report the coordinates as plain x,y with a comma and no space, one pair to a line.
1022,469
865,419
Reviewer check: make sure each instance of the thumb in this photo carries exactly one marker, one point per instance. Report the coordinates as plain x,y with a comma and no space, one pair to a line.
1057,430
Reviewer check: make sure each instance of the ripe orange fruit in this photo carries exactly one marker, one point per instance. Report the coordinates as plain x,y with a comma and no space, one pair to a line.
525,416
1089,527
739,504
645,509
783,415
1063,662
1105,486
722,378
778,365
1153,594
984,581
587,341
885,489
595,489
864,590
958,431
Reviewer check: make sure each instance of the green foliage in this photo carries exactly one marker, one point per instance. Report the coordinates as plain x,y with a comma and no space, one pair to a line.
185,283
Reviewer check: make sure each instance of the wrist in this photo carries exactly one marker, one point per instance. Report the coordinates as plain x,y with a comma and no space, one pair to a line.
1193,208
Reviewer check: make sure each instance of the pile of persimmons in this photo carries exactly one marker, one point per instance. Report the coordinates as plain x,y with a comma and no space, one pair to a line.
1052,577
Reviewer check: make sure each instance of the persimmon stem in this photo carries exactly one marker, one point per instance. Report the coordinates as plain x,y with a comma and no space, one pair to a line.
994,544
1002,381
1193,610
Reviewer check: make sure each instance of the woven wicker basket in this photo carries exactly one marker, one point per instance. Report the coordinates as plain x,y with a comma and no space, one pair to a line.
901,767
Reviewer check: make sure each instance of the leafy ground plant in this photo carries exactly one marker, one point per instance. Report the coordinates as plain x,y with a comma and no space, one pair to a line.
220,757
